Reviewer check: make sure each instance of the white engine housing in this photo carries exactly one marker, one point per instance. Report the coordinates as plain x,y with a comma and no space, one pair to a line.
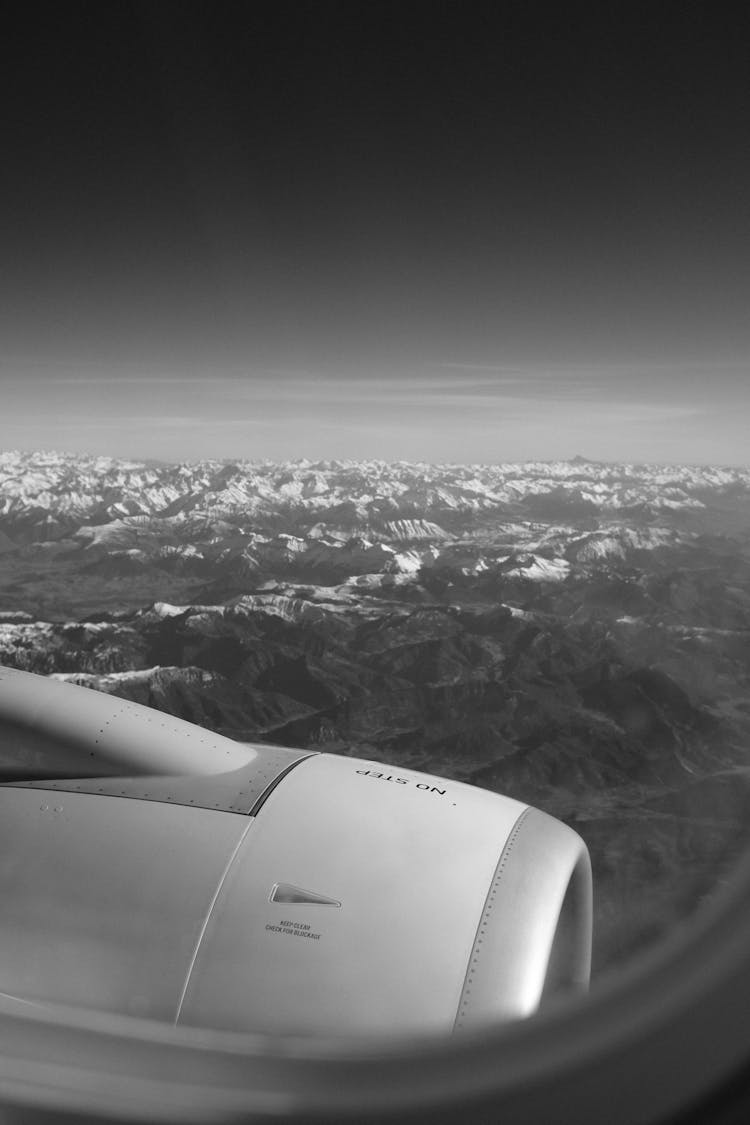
290,893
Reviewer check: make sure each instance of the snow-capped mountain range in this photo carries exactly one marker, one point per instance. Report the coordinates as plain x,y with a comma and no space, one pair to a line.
332,522
70,487
575,634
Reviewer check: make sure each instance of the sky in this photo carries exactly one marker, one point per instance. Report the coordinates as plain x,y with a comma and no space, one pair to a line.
443,232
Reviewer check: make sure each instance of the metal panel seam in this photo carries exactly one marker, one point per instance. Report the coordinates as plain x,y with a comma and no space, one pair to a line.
276,781
207,919
463,1001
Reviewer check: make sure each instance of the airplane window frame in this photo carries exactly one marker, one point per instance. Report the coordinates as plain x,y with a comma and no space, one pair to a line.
652,1042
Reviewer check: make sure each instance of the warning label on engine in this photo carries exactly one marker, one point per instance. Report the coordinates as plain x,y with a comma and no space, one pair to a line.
294,929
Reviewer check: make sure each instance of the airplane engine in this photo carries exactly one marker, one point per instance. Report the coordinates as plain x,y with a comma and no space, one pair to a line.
153,869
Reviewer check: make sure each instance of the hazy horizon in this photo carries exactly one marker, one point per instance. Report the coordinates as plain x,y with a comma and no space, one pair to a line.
465,415
87,454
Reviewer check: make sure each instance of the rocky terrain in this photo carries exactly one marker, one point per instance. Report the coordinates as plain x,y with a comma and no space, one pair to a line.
574,634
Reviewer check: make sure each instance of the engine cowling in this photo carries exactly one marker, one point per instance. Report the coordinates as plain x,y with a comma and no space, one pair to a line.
289,893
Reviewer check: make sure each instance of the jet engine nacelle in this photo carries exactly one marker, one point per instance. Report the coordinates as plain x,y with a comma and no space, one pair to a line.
148,867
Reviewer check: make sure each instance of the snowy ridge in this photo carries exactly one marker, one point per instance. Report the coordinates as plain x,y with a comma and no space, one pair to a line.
104,490
335,523
415,529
